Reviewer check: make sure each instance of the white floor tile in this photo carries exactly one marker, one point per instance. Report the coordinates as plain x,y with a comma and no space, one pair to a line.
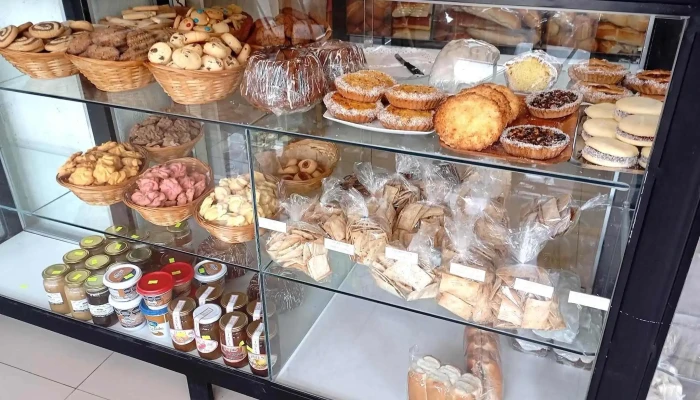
135,379
225,394
80,395
18,384
48,354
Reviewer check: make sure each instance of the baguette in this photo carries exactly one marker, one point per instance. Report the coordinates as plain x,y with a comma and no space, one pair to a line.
608,31
483,361
502,16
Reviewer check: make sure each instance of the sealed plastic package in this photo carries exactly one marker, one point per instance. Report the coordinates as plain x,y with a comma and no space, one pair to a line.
464,63
428,378
531,72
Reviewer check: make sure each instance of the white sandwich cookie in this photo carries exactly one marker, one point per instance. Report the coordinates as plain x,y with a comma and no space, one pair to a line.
644,157
610,152
604,127
637,105
638,130
601,110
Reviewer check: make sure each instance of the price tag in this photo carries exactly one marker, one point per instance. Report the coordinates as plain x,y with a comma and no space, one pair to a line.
534,288
118,246
340,247
178,224
129,276
589,300
206,337
272,225
77,276
55,272
153,282
80,252
92,279
178,272
118,229
401,255
88,241
93,261
135,236
463,271
171,260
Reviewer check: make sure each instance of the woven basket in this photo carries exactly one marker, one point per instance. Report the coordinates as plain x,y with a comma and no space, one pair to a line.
324,153
105,195
197,87
163,154
40,65
113,76
166,216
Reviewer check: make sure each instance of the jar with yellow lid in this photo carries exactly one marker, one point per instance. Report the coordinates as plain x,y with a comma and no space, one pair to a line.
54,286
98,264
139,236
117,250
76,294
76,258
94,244
98,301
120,230
160,242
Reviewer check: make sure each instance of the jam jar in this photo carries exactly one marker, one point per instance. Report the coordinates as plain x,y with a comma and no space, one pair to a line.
156,289
120,230
209,294
233,339
172,256
98,264
76,258
98,301
257,352
94,244
76,294
160,242
139,236
181,323
234,301
208,272
142,257
182,233
117,250
183,274
54,286
206,331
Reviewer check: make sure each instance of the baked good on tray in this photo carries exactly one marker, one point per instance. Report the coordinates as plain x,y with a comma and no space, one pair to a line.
555,103
367,85
638,130
514,102
651,82
610,152
601,92
637,105
338,58
601,110
598,71
351,110
469,122
495,95
530,73
600,127
644,157
535,142
394,117
414,97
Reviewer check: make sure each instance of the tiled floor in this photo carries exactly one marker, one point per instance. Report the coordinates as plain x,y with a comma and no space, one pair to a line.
39,364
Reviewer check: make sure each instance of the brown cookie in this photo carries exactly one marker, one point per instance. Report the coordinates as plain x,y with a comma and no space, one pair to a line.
78,44
112,36
139,39
106,53
134,55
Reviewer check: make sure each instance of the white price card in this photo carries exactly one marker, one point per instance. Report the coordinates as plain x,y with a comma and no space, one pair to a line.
589,300
534,288
463,271
272,225
401,255
340,247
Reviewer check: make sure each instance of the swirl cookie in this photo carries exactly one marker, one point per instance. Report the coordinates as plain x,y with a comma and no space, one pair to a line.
46,30
24,27
8,35
59,44
29,45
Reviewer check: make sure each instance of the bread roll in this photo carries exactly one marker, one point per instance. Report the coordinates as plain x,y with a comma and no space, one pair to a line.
638,22
484,361
531,18
472,21
583,27
502,16
589,44
355,12
608,31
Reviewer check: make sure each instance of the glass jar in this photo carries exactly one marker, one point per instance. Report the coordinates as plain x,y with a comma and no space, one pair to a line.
254,288
209,294
117,250
254,309
121,279
120,230
75,259
206,331
129,313
157,320
156,289
76,295
257,352
142,257
232,254
182,234
234,301
54,286
181,323
98,301
98,264
183,274
94,244
209,272
233,339
160,242
141,234
172,256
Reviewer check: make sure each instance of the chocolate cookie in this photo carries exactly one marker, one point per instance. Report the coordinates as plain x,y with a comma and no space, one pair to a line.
106,53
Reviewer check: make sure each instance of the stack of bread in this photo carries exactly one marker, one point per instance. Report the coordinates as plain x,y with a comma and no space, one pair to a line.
428,380
289,27
495,25
369,17
573,30
411,20
621,33
599,80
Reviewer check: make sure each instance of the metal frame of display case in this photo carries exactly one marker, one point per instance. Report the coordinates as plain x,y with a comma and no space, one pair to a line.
662,240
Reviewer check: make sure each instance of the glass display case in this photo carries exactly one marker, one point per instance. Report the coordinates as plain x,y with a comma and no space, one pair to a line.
357,199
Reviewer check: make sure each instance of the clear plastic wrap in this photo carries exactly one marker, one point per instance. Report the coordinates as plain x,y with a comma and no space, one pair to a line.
301,247
399,192
284,80
524,346
464,63
338,58
368,233
375,179
285,292
587,340
558,214
483,357
531,72
428,379
328,212
567,282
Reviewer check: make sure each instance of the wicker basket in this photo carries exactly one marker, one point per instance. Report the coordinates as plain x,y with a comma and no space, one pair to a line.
197,87
40,65
324,153
113,76
105,195
163,154
166,216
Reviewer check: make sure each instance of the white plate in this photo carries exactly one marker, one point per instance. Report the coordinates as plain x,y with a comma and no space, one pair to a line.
375,126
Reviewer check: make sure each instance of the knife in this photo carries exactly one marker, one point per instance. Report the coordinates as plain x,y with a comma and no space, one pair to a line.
412,68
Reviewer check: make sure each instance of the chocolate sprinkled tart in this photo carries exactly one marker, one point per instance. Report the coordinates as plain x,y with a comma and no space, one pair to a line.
535,142
555,103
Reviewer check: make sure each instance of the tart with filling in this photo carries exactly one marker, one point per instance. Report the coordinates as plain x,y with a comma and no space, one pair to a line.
650,82
406,120
350,110
367,86
414,97
535,142
555,103
595,93
598,71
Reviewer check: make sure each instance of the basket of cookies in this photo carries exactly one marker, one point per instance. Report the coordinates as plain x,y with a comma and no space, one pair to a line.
113,58
167,193
197,68
38,50
226,212
166,138
101,175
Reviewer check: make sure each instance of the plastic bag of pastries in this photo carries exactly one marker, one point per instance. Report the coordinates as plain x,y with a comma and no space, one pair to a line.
301,246
564,283
483,358
374,179
367,232
328,212
429,379
338,58
464,63
532,71
558,214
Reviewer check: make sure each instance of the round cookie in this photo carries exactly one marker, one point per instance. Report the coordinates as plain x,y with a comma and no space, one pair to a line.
195,47
196,37
232,42
603,127
81,26
177,40
67,31
7,35
26,44
495,95
610,152
160,53
46,30
214,13
469,122
515,102
211,63
230,62
24,27
79,43
186,24
58,45
216,50
637,105
644,157
187,59
220,27
601,110
638,130
199,17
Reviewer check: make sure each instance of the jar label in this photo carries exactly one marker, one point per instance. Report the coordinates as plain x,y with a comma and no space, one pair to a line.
55,298
203,298
257,361
79,305
130,318
177,322
228,330
258,311
182,336
158,329
206,346
231,303
234,353
101,310
255,339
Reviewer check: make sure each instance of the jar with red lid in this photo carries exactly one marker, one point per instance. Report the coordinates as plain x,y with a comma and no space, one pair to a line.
182,274
156,289
232,328
181,320
258,357
206,331
209,272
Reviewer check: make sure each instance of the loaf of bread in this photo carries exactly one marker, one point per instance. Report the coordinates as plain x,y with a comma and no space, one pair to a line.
639,23
608,31
612,47
483,358
502,16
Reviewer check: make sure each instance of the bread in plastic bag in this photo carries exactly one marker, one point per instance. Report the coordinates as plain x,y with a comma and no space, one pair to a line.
531,72
328,212
338,58
559,214
368,233
483,357
374,179
565,282
527,347
429,379
665,385
587,340
464,63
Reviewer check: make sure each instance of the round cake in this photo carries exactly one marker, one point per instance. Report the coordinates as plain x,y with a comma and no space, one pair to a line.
405,119
338,58
555,103
469,122
536,142
283,80
414,97
350,110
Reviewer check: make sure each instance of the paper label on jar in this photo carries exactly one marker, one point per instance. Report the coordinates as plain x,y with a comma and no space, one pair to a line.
589,300
272,224
534,288
257,361
340,247
475,274
258,311
228,331
255,340
102,310
158,329
177,322
206,345
182,336
79,305
401,255
203,298
198,318
130,318
55,298
234,353
231,303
